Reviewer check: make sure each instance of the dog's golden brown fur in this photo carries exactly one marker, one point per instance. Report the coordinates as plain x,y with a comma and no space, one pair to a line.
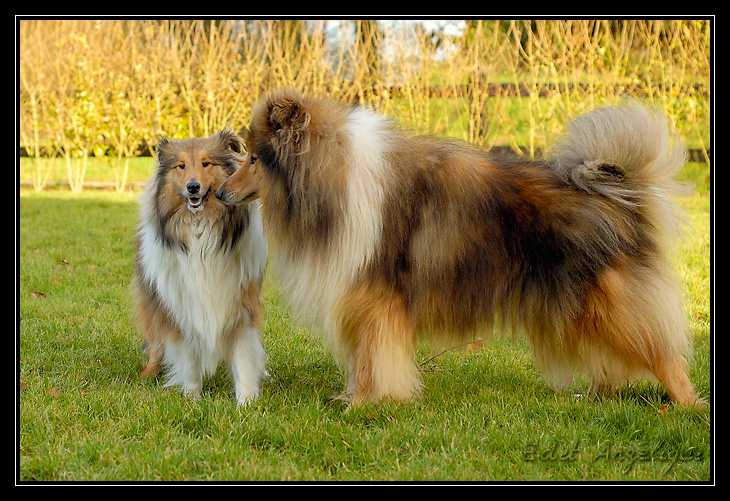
200,266
378,235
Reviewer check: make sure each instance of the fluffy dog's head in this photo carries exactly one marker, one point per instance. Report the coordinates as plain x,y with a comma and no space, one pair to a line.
291,137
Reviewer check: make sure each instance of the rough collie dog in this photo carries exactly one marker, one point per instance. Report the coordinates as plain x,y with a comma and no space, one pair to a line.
200,265
378,234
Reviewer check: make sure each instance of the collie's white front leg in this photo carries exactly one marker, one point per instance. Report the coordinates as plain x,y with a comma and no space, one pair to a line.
247,362
184,368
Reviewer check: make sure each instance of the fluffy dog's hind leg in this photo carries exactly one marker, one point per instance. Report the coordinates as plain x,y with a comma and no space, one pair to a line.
671,371
633,325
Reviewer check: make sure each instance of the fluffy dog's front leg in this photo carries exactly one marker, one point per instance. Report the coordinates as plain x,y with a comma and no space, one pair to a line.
379,337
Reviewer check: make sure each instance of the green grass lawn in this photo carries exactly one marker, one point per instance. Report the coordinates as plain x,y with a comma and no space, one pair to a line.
83,415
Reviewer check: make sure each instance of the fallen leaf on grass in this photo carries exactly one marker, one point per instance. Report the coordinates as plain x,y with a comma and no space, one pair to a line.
476,345
37,294
53,392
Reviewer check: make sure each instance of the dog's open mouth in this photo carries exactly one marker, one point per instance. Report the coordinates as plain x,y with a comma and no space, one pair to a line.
196,203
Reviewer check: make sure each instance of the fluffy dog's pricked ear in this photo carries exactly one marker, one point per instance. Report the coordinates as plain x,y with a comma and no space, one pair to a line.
289,120
286,111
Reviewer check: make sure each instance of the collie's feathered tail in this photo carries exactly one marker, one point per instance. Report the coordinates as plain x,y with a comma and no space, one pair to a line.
634,322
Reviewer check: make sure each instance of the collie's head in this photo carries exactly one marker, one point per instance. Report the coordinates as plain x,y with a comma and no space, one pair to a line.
189,169
292,137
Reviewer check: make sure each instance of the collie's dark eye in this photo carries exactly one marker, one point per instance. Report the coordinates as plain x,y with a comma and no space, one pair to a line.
252,160
180,166
206,164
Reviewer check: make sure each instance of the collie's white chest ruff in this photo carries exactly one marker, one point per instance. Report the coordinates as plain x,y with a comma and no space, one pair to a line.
202,288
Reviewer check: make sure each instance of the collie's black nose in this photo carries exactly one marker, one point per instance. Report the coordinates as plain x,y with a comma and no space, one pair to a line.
193,187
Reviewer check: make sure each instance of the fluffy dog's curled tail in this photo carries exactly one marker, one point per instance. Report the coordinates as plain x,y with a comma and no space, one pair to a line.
629,154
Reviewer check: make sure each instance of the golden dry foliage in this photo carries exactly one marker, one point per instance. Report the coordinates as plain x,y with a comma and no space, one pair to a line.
110,88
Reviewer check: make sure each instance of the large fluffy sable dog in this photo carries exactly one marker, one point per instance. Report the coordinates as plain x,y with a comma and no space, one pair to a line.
378,234
200,266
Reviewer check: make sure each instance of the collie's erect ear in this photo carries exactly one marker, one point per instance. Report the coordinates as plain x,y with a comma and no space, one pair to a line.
229,139
163,147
